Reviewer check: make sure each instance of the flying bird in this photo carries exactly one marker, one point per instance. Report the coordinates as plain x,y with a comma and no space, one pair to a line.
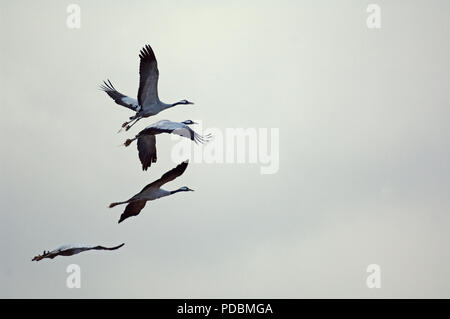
147,103
69,250
152,191
146,141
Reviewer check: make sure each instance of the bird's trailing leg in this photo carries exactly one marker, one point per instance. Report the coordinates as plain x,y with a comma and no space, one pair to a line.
117,203
123,125
135,121
126,125
129,141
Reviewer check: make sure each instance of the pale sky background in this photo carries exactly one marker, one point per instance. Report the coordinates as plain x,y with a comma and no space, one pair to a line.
364,149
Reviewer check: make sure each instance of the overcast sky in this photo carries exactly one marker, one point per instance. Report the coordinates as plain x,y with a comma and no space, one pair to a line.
363,116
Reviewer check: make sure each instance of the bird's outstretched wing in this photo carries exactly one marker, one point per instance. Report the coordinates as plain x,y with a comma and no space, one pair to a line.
169,176
108,248
177,128
133,209
187,132
118,97
148,82
146,145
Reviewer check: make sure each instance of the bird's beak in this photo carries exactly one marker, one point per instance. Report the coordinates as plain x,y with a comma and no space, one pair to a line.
194,122
191,190
190,102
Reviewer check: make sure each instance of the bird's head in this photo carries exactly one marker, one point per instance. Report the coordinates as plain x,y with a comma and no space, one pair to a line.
189,122
185,102
185,189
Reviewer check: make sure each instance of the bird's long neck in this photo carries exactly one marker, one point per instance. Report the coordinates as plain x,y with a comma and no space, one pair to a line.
166,106
176,191
178,103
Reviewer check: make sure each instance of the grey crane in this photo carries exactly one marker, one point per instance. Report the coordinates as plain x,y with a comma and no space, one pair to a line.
69,250
148,102
146,141
151,192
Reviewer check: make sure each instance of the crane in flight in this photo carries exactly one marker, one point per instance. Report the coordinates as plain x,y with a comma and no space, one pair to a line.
146,140
151,192
69,250
147,103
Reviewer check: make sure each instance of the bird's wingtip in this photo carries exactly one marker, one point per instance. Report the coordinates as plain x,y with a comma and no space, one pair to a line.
117,247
